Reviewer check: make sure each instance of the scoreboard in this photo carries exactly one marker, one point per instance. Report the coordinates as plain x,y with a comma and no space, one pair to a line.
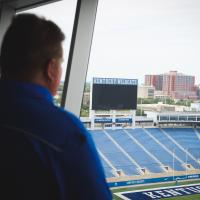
114,94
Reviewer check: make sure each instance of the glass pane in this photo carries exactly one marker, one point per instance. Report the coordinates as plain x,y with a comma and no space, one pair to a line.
156,42
62,13
182,118
192,118
134,38
164,118
145,39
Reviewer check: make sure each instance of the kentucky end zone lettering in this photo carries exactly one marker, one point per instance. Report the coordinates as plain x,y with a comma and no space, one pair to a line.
159,193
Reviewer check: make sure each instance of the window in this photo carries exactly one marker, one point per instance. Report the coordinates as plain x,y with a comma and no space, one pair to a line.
191,118
164,118
182,118
173,118
62,13
136,38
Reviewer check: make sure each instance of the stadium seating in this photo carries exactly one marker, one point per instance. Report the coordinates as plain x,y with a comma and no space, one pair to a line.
165,157
132,149
187,138
116,157
171,147
107,169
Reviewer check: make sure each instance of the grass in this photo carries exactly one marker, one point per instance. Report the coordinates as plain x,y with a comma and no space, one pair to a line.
189,197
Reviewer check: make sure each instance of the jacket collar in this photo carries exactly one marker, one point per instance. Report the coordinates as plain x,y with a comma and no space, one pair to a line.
24,89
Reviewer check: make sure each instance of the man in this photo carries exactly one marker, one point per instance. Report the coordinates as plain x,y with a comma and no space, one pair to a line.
45,152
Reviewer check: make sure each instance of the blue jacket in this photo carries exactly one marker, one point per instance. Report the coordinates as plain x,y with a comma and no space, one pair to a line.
45,151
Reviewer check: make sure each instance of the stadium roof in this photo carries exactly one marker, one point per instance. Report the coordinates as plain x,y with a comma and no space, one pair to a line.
178,113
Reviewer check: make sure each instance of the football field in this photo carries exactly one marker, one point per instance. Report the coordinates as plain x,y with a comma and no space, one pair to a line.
170,191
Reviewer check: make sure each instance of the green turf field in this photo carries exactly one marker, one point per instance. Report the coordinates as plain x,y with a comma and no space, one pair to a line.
189,197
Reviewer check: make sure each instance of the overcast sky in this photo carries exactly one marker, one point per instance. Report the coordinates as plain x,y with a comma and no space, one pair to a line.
137,37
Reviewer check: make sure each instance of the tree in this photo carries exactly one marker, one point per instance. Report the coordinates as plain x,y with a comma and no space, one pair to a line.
140,112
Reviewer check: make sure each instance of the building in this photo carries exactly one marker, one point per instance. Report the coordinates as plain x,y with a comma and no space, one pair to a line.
198,91
145,91
173,84
86,99
154,80
195,107
160,107
175,118
160,95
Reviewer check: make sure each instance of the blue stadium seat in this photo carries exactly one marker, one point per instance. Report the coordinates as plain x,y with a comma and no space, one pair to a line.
186,137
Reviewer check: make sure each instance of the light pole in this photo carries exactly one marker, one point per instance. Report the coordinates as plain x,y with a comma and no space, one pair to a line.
186,161
173,163
141,107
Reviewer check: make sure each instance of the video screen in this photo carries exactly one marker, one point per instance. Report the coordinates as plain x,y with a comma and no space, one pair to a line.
114,97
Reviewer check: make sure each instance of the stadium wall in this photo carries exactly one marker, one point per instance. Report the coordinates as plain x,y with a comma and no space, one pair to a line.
153,180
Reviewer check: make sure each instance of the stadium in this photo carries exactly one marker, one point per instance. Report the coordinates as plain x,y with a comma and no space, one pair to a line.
166,153
156,157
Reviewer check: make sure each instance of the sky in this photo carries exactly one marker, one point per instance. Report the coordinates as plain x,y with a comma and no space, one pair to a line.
136,37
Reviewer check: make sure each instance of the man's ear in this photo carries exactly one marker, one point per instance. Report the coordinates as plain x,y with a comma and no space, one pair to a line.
50,70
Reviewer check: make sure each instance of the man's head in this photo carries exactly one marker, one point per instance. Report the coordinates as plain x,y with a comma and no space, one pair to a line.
32,51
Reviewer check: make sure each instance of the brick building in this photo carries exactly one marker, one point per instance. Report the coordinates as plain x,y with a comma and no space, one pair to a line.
173,84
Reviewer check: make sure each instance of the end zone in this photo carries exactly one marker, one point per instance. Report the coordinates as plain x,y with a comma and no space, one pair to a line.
158,193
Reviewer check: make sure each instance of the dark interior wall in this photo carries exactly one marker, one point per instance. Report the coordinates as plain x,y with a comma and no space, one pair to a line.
6,13
24,4
9,7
